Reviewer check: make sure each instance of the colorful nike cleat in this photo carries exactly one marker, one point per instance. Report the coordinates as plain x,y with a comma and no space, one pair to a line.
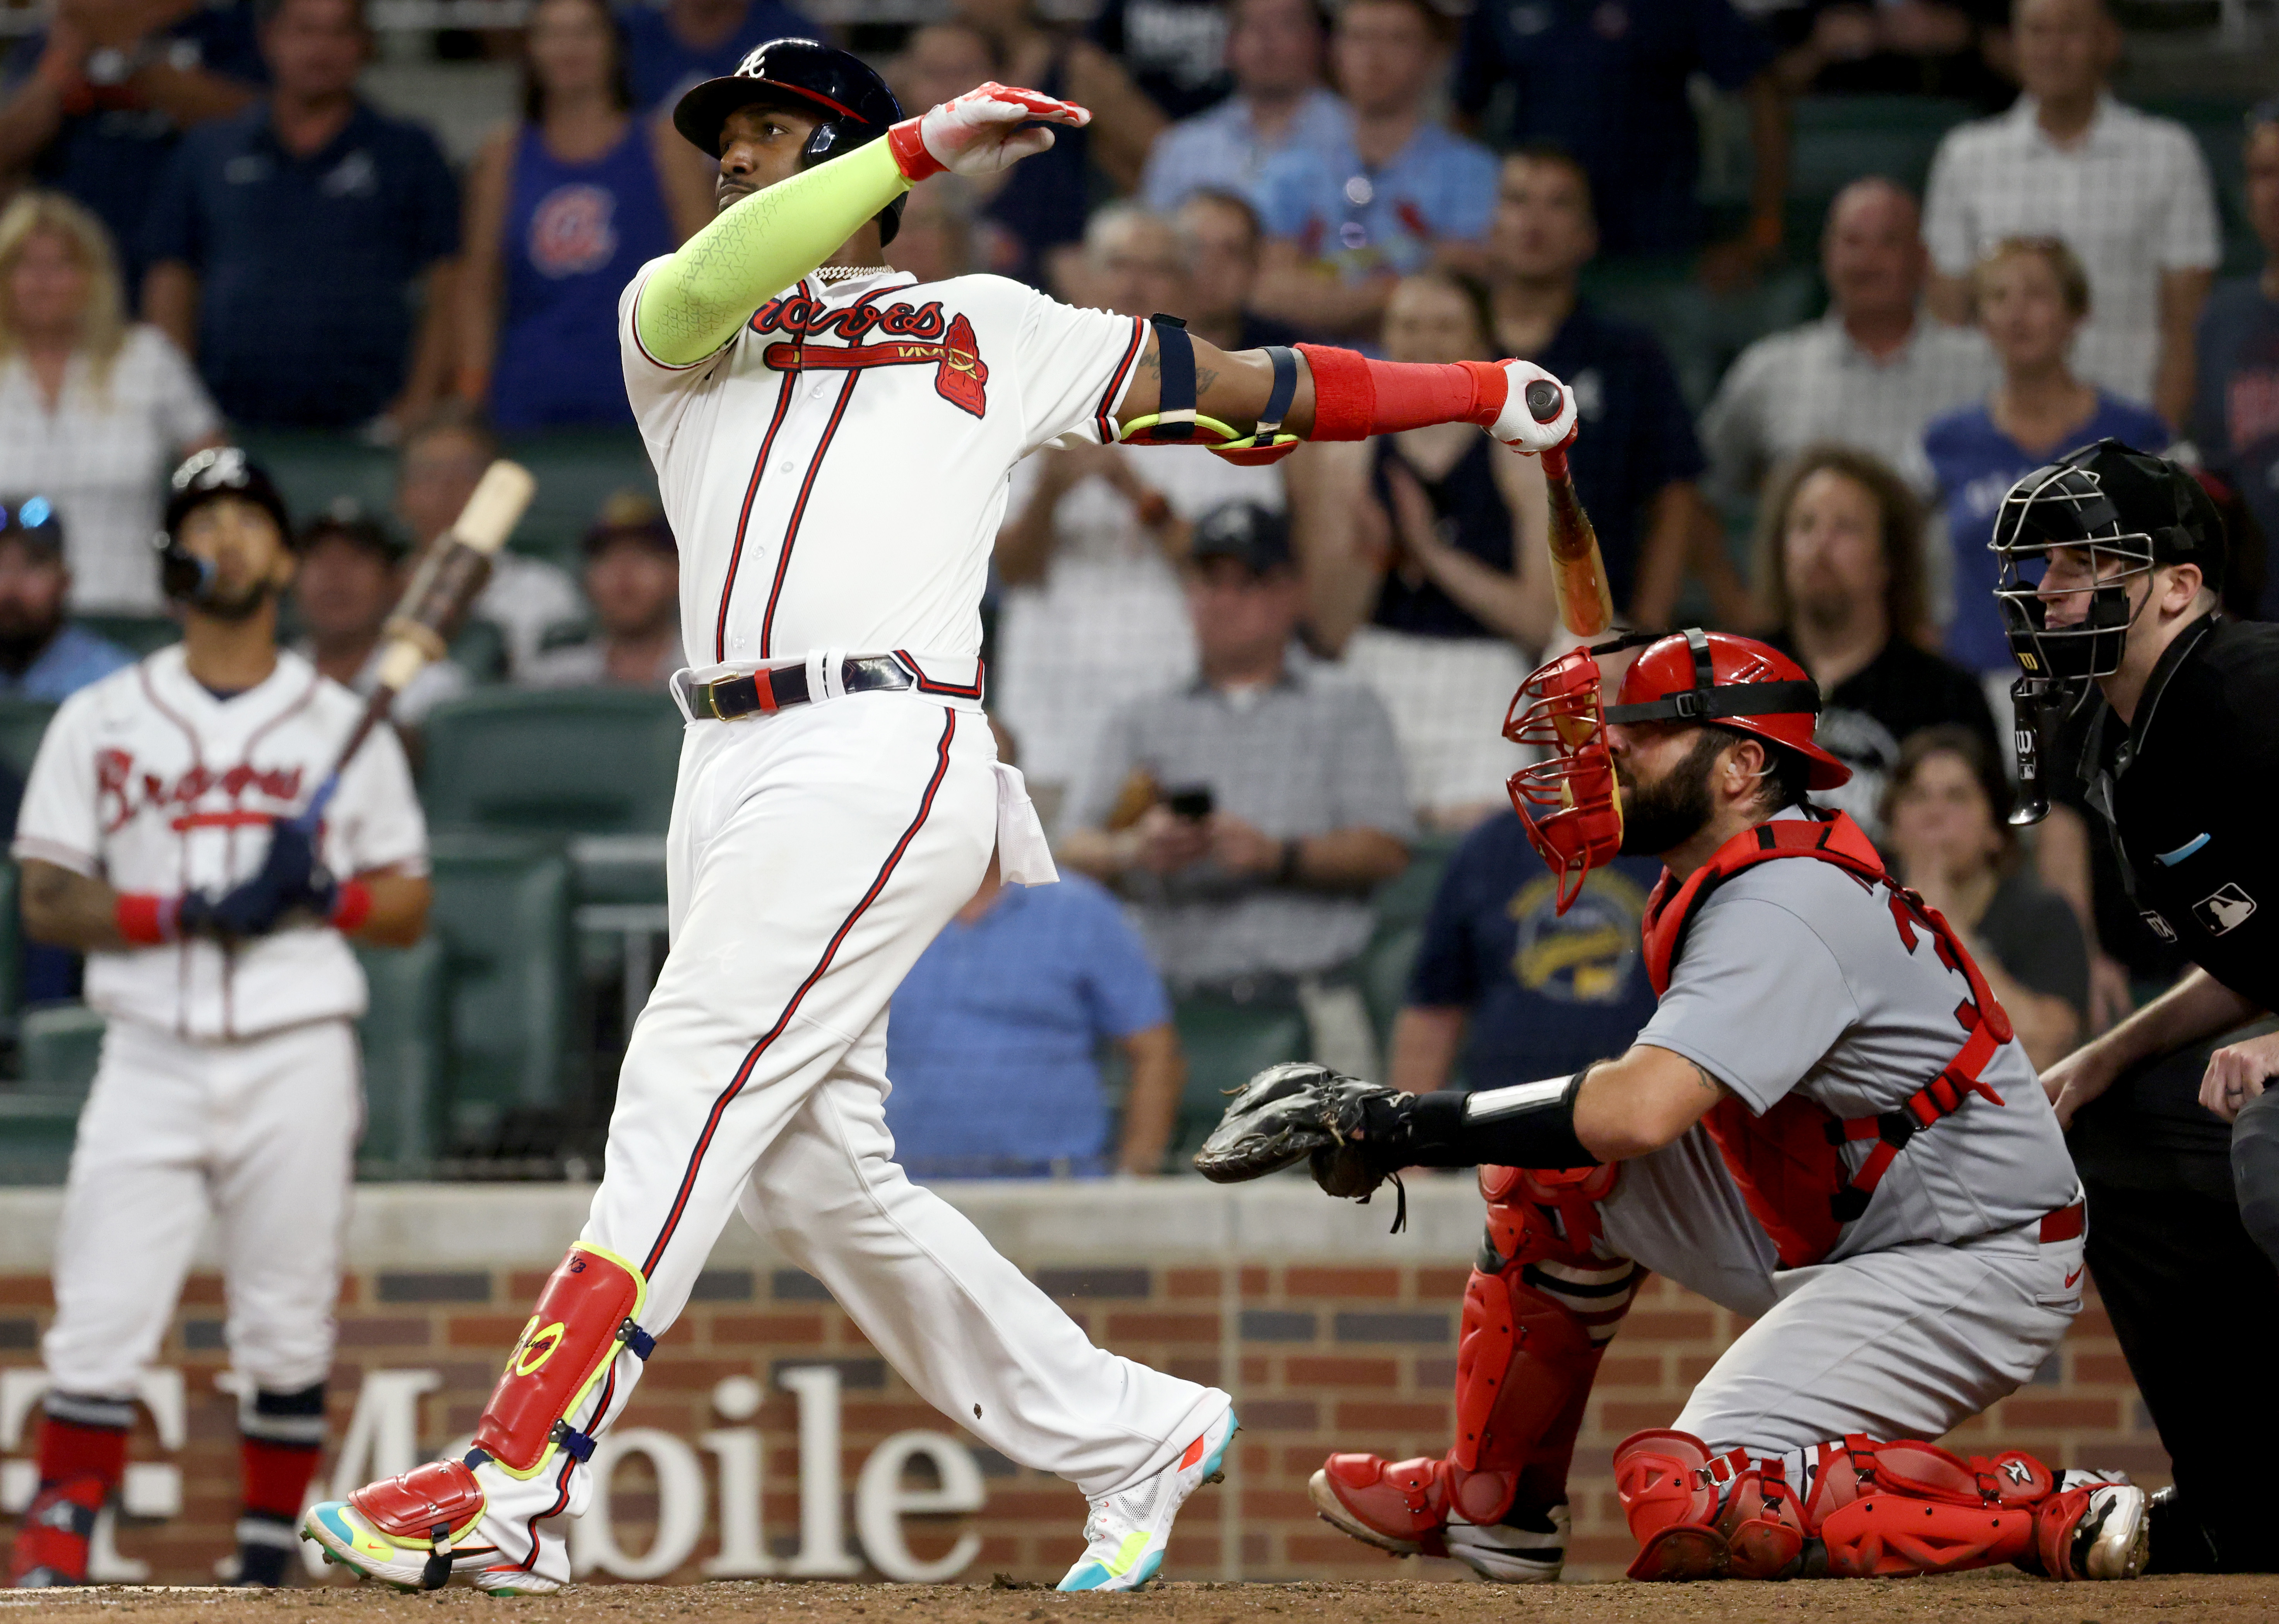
409,1531
1126,1534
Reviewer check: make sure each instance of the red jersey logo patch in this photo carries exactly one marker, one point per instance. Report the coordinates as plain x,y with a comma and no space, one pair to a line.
961,375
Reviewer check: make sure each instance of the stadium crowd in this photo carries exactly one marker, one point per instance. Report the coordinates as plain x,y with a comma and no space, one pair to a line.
1260,705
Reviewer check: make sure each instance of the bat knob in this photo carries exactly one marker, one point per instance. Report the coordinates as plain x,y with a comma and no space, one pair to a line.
1543,400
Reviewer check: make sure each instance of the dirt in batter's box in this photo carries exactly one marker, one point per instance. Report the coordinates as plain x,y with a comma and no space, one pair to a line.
1967,1598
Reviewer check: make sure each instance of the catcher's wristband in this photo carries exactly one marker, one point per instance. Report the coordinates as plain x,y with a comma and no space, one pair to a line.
1529,1125
145,919
351,908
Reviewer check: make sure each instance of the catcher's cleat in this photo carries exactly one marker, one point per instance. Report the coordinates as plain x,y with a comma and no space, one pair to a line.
2095,1533
1126,1534
410,1531
1414,1508
1526,1547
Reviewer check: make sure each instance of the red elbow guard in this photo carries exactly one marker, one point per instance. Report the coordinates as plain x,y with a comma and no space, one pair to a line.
145,919
1355,397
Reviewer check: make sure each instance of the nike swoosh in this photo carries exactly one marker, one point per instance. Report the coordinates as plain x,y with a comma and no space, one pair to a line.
2071,1278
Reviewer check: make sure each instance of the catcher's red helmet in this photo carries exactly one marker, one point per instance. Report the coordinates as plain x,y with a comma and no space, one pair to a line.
1696,676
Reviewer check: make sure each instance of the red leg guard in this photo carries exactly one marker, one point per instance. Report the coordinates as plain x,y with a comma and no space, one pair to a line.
1538,1312
587,1311
435,1504
1671,1489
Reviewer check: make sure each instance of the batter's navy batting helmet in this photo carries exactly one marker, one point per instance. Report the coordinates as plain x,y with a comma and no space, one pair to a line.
812,77
208,476
2122,511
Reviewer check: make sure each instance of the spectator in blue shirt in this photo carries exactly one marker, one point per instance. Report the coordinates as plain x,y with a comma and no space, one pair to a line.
1636,463
1606,79
42,656
301,252
671,46
99,98
1346,218
563,205
2032,297
997,1031
1274,52
2235,415
1506,982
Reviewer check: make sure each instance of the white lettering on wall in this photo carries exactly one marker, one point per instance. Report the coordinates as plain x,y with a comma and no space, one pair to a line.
743,1543
679,1507
823,1553
881,1502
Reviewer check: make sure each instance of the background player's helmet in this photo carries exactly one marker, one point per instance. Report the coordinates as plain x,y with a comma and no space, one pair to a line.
206,477
2128,512
814,77
1569,801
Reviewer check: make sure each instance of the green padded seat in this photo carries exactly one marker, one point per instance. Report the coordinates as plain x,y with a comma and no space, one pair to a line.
1227,1043
502,917
404,1053
316,469
577,471
58,1046
36,1131
567,761
22,722
1840,139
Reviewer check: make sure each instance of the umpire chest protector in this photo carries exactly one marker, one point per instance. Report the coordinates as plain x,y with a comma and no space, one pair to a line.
1789,1163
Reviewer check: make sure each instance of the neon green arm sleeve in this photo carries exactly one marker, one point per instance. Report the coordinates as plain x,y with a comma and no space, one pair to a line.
757,248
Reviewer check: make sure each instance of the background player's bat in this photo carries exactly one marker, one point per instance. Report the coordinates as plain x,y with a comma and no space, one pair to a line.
434,602
1578,574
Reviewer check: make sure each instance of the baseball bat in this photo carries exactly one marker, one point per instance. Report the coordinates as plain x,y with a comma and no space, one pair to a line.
433,604
1578,574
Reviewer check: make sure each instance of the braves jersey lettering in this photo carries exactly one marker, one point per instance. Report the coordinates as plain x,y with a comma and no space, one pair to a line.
790,544
149,781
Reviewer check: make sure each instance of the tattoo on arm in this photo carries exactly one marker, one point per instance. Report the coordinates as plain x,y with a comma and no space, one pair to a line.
1705,1078
68,909
1152,363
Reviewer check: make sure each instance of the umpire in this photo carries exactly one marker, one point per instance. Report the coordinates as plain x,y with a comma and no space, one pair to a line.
2111,565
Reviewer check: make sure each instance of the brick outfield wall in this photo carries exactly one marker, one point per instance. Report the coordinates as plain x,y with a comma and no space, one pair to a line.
1350,1357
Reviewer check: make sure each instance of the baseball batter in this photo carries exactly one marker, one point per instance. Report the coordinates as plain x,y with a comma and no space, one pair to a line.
1825,1126
833,442
151,838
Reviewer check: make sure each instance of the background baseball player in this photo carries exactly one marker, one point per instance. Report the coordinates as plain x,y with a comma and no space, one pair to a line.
834,446
2112,563
152,838
1825,1126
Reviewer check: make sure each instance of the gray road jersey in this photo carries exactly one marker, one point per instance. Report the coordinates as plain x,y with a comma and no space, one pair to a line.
1794,977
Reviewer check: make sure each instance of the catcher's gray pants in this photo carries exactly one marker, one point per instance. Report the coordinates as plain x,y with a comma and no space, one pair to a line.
1904,1342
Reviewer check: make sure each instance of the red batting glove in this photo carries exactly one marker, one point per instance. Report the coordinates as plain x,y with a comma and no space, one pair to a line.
979,133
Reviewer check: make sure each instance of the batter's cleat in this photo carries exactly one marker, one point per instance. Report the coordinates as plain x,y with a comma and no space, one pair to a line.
2102,1533
53,1539
409,1531
1126,1534
513,1582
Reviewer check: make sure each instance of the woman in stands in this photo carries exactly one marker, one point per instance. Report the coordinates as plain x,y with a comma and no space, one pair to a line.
1948,839
562,209
1417,557
2031,296
93,410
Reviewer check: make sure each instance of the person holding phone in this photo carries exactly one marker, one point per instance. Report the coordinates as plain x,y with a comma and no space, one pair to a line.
1247,816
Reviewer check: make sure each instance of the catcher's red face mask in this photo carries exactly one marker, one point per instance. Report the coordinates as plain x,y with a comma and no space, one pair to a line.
1568,802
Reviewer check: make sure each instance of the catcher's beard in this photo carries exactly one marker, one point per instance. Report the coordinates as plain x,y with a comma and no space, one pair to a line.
1664,813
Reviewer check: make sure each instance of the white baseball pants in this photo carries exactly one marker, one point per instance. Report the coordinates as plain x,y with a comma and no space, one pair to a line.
1904,1343
262,1133
813,856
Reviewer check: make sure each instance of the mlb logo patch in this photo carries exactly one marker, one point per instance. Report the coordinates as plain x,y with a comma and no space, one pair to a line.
2226,911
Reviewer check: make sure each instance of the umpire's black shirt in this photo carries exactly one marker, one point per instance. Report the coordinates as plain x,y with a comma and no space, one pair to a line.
2187,794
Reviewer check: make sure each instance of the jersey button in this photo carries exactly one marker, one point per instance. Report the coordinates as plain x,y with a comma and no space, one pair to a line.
783,468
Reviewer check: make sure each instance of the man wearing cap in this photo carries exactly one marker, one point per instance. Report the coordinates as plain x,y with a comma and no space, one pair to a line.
834,444
2112,566
1247,815
632,581
43,656
1826,1126
350,579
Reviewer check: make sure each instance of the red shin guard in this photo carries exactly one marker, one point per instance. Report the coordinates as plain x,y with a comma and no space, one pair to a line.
1355,397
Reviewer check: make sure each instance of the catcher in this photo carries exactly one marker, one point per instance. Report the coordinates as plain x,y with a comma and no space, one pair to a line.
1825,1126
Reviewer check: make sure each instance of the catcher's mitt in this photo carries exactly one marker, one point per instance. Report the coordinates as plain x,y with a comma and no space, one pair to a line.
1301,1111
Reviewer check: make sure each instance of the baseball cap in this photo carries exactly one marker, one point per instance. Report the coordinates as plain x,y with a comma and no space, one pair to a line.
32,519
629,516
1248,532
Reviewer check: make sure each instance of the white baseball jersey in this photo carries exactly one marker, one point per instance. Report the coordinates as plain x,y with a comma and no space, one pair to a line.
837,471
147,781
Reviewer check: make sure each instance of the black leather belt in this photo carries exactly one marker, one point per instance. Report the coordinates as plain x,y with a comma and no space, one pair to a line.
763,692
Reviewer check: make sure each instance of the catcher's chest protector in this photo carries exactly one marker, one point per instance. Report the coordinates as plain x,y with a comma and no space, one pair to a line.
1789,1163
